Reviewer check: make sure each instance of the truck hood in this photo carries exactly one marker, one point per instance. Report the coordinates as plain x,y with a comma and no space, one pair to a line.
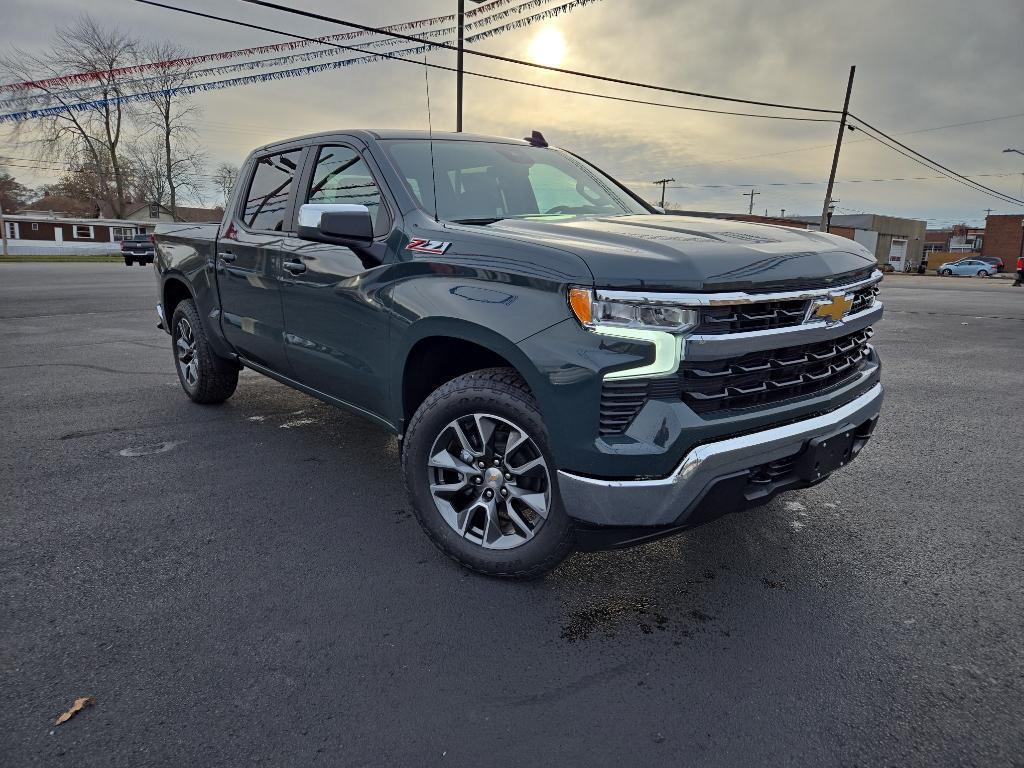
683,253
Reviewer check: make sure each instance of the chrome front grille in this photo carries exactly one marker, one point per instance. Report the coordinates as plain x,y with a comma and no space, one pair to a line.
765,378
756,380
864,298
760,316
799,351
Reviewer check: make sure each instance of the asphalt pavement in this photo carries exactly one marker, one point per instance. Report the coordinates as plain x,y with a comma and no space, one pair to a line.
245,584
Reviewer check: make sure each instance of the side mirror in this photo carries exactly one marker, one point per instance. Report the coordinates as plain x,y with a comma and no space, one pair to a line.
339,224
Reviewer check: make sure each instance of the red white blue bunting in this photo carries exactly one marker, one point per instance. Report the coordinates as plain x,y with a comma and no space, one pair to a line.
188,89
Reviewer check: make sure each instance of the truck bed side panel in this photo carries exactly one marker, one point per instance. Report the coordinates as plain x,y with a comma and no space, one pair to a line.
187,253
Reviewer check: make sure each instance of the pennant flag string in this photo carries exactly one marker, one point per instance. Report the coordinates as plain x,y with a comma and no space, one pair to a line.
22,100
93,92
29,114
101,74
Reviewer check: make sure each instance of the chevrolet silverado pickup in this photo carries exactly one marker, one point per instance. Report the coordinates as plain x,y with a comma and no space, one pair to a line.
566,367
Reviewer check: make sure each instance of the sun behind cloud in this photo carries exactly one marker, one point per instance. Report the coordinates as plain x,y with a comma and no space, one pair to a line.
547,47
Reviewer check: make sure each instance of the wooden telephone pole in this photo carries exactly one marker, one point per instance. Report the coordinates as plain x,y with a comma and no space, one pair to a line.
835,157
663,183
751,194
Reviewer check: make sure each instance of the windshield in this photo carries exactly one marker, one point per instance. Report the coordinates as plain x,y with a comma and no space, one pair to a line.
481,182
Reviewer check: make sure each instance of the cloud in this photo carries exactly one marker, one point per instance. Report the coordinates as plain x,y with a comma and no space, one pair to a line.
920,64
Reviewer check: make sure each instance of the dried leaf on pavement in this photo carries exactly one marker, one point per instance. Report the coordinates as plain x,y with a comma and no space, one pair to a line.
77,707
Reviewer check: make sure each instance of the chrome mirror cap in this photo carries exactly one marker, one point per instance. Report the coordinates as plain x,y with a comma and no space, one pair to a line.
310,213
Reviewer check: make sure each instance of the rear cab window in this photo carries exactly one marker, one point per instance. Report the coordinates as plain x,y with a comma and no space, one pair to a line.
266,201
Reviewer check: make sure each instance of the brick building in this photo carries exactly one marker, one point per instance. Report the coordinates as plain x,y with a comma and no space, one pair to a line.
1004,237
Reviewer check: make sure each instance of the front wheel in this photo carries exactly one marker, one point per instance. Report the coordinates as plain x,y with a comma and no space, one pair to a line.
127,261
481,479
945,272
205,377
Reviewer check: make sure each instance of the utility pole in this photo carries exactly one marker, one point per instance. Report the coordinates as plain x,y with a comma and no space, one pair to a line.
988,212
3,229
458,66
751,194
663,182
461,20
835,158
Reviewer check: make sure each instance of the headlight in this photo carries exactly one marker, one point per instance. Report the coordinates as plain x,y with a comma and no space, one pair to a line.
625,313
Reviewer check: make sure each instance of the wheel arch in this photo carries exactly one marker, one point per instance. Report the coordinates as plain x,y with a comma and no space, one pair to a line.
175,290
438,351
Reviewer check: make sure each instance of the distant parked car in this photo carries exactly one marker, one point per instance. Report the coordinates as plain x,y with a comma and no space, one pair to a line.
968,267
995,261
138,248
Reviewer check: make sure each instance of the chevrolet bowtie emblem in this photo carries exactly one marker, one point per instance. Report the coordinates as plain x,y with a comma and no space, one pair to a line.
832,309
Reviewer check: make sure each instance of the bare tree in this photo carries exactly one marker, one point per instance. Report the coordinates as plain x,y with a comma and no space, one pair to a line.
224,178
161,178
94,134
171,117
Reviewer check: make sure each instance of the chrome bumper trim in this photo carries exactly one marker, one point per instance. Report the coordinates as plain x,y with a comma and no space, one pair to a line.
662,501
728,299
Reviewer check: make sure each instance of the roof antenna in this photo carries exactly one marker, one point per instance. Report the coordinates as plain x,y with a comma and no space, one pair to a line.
430,135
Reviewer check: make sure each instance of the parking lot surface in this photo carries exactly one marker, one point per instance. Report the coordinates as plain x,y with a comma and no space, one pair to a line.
245,584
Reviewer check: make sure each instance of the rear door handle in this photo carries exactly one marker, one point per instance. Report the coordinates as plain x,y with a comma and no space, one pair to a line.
295,267
226,256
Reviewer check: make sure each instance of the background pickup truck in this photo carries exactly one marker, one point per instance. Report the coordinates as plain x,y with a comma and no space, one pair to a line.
566,367
138,248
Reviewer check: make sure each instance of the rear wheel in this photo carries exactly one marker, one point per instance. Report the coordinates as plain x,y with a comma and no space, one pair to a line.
205,377
481,478
982,273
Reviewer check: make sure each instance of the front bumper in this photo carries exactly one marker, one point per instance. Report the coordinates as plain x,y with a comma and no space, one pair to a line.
736,466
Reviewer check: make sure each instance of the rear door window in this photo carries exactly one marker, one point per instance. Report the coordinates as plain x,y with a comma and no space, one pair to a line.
266,201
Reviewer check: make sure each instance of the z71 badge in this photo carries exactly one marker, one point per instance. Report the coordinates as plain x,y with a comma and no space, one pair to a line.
423,245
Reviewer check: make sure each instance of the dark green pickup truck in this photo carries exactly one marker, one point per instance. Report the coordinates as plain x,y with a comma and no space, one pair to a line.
566,366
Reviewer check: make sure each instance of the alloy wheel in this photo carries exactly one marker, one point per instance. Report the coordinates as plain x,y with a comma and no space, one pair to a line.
188,359
489,481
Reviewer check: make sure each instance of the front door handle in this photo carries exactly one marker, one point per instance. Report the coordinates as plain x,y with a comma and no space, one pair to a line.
295,267
226,256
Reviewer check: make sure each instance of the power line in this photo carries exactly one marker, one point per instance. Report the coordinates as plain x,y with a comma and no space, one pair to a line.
838,181
854,141
202,86
89,92
482,54
929,163
573,91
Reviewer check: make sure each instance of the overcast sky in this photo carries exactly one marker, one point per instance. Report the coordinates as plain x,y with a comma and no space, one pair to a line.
921,64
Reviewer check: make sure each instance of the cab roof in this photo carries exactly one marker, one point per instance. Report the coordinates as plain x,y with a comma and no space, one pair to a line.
375,134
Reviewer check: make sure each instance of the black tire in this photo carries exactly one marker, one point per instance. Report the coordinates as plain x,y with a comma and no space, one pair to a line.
127,261
945,272
982,273
215,378
501,392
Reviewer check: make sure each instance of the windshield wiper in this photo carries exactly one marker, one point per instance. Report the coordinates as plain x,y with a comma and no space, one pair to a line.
490,220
